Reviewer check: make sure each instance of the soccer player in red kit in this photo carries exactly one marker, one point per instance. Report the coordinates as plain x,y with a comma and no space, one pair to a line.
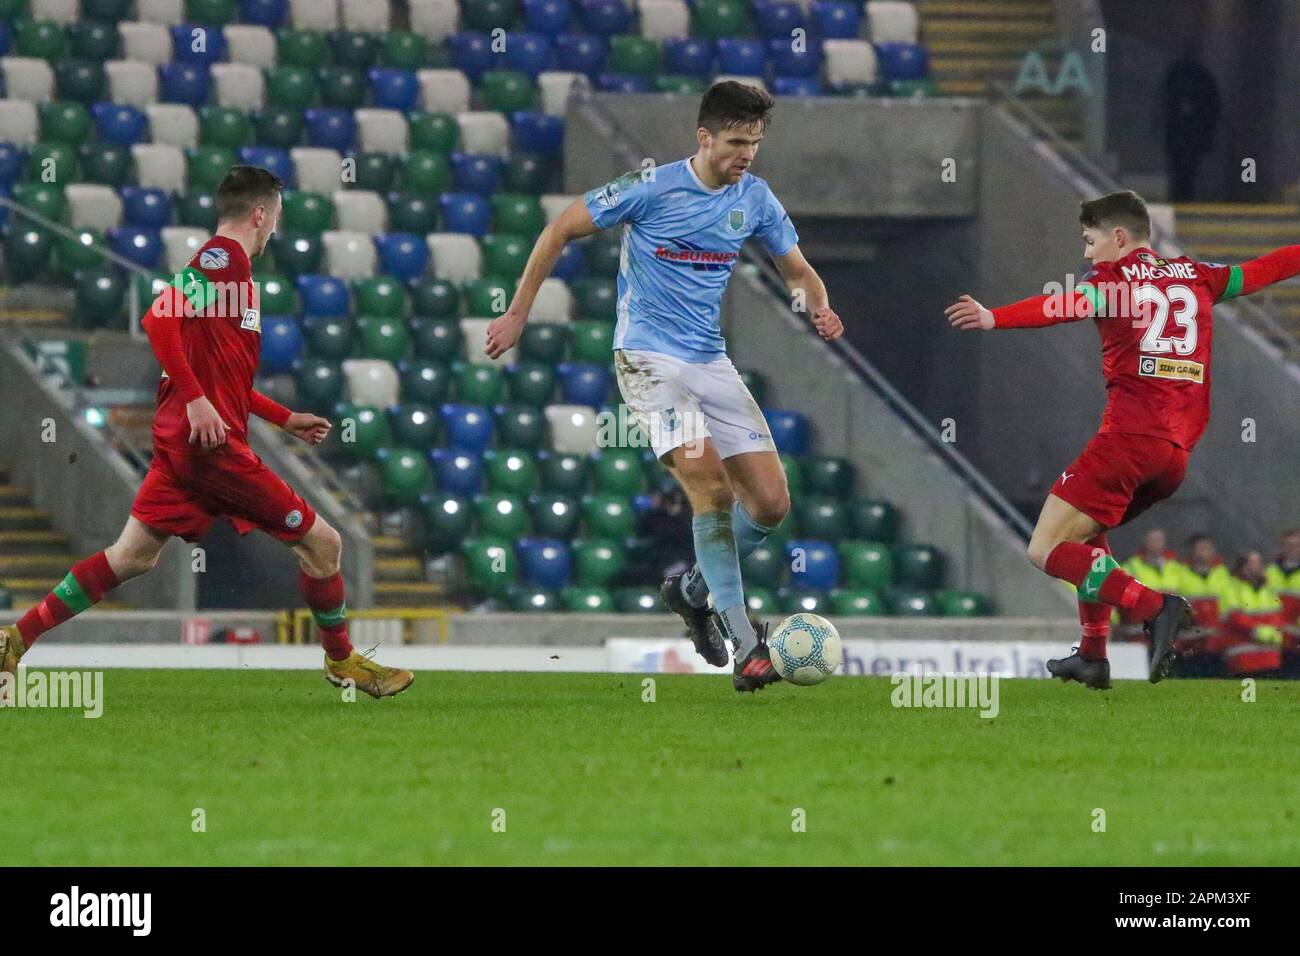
1154,316
206,332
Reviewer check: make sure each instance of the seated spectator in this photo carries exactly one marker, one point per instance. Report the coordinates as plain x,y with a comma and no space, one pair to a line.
1154,565
1283,575
1253,635
664,539
1204,581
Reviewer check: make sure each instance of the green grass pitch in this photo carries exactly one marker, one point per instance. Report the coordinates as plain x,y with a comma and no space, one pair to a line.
588,773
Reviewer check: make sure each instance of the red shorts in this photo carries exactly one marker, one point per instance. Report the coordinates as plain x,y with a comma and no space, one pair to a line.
1117,477
183,493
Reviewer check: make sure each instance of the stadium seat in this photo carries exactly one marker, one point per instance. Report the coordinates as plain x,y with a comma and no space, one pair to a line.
797,86
434,19
902,61
608,516
62,12
813,564
456,257
160,166
456,470
370,382
485,132
852,602
467,427
423,381
382,338
277,295
849,63
276,161
542,342
790,430
491,564
189,83
173,124
440,340
476,172
40,39
318,384
688,56
777,19
435,298
521,427
528,53
634,55
790,61
606,17
596,562
544,562
867,564
250,44
362,211
365,15
329,337
822,518
297,254
793,600
908,602
578,599
75,253
962,604
322,295
165,12
444,91
875,520
581,53
381,131
617,472
435,132
92,40
547,17
395,89
18,119
592,341
829,476
65,123
661,19
129,84
405,473
342,88
334,129
224,126
570,267
180,243
448,519
290,87
741,56
100,208
563,473
511,472
100,294
584,384
412,212
317,15
403,50
893,21
371,172
281,344
79,80
315,169
267,13
506,91
403,255
499,514
531,383
141,246
764,566
475,384
144,43
918,566
471,53
27,250
349,255
197,43
836,19
573,428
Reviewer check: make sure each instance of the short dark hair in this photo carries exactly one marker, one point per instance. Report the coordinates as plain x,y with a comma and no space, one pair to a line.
1196,539
1124,209
729,104
245,188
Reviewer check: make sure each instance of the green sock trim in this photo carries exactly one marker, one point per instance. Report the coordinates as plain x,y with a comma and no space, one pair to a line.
70,593
331,618
1090,589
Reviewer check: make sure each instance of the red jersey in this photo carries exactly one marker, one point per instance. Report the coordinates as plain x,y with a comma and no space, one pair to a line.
221,336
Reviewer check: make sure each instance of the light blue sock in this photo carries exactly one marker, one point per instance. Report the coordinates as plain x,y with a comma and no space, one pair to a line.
715,550
749,534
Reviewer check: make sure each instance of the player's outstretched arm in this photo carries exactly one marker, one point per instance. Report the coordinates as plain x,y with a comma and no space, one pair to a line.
809,293
1036,312
162,324
574,223
1275,266
301,425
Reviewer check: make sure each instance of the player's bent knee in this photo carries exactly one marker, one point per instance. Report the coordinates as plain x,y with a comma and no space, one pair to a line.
1037,553
321,549
772,511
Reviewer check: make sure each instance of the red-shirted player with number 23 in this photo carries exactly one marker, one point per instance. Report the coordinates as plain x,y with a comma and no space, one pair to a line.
1154,316
206,331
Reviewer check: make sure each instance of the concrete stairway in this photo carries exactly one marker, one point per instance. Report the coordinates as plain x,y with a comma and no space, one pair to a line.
1235,232
974,41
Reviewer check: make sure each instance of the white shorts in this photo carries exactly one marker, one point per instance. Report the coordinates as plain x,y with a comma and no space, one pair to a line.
675,402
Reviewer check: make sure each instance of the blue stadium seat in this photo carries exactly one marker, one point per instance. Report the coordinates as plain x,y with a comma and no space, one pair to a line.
538,133
797,86
581,53
902,61
471,53
12,160
142,246
467,427
267,13
836,19
787,61
188,83
394,89
582,383
187,36
402,254
465,212
741,57
145,208
527,53
606,17
790,430
476,172
571,265
544,562
776,19
457,471
123,125
323,295
6,38
819,563
331,128
642,503
688,56
270,158
623,83
550,17
281,344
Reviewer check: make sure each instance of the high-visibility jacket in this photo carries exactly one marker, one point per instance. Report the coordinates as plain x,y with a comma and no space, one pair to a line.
1161,575
1207,592
1287,585
1254,613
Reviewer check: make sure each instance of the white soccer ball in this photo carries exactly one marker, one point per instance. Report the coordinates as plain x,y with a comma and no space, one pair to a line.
805,649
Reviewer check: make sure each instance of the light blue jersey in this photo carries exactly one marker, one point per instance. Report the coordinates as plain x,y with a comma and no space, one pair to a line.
680,243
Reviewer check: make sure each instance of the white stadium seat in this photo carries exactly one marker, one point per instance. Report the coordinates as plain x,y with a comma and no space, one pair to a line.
893,21
145,42
661,19
434,19
573,428
554,302
239,85
746,80
63,12
166,12
555,86
173,123
365,16
372,382
318,170
131,83
27,78
91,206
456,256
251,44
179,245
555,203
443,91
19,121
382,131
849,61
159,166
361,210
349,255
484,132
474,332
319,15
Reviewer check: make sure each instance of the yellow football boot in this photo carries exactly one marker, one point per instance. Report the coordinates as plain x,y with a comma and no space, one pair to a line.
367,675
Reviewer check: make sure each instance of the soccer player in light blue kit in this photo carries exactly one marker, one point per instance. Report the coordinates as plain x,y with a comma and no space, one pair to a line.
683,226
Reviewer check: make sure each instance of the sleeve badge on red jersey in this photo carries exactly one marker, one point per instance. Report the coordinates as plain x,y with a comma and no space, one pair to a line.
252,320
214,259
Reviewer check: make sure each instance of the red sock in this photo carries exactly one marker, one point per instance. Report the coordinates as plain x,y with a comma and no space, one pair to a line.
83,586
325,598
1095,618
1072,561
